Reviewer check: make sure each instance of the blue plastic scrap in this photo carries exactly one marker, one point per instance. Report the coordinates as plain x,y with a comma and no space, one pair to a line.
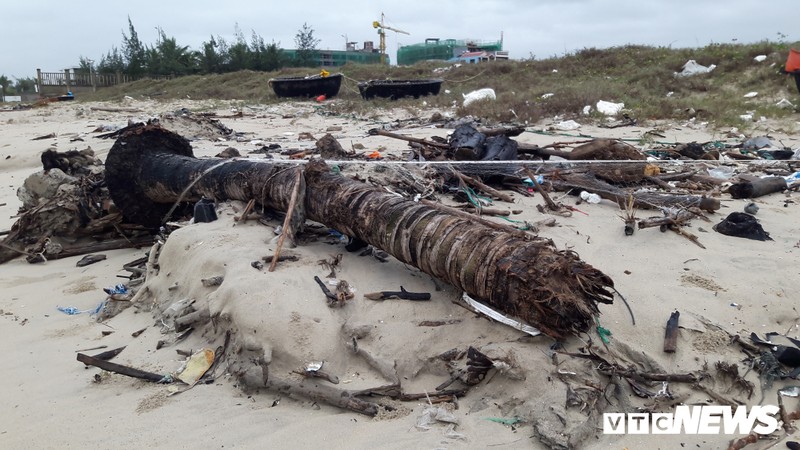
118,289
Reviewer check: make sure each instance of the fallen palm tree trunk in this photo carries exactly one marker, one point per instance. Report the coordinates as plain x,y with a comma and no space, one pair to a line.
148,169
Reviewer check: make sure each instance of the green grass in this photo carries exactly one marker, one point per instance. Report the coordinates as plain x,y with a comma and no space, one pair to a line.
639,76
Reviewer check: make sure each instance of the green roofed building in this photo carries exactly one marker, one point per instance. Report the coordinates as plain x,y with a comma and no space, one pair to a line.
446,49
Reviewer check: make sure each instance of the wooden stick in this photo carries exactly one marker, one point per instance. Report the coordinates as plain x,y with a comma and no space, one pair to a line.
488,211
671,335
287,221
409,139
105,356
687,235
330,295
120,369
403,294
682,216
246,212
94,108
550,203
480,185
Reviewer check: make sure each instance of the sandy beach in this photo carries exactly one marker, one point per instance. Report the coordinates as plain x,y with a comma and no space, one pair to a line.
280,319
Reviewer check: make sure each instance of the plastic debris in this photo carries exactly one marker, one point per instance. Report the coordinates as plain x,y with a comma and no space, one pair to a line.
197,365
587,109
722,172
118,289
609,108
71,310
751,208
589,197
604,333
509,422
756,143
790,391
760,58
548,95
433,414
567,125
750,94
786,104
480,94
742,225
692,68
483,309
529,182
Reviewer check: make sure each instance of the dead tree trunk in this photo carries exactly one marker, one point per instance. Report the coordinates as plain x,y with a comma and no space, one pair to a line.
524,277
644,200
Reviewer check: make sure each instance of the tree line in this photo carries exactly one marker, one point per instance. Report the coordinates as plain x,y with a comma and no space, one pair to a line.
217,55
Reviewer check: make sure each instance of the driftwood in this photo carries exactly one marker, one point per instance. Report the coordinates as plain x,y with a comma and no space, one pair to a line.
595,150
377,132
550,203
671,334
487,211
678,217
402,294
757,187
287,229
645,200
120,369
324,393
149,169
109,109
92,247
108,355
483,187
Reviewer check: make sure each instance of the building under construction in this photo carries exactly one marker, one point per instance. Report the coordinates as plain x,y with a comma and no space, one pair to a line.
368,54
451,49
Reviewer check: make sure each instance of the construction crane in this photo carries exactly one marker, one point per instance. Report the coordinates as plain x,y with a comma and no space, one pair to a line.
380,26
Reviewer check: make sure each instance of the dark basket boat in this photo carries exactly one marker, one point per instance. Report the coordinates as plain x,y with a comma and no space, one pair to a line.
394,89
307,86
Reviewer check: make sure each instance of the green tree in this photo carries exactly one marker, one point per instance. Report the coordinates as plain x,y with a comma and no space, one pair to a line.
273,57
237,54
85,65
133,50
210,59
264,57
111,62
169,58
4,84
23,85
306,47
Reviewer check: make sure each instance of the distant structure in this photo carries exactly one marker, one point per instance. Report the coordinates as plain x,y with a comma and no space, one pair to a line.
467,51
368,54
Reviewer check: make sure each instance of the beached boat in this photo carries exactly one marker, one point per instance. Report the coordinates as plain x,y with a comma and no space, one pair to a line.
313,86
394,89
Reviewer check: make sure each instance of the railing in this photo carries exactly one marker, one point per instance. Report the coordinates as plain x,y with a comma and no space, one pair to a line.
89,79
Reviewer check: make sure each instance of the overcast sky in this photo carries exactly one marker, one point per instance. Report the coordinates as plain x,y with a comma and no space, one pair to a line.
53,35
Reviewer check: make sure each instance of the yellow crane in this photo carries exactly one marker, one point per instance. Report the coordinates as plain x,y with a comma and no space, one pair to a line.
381,27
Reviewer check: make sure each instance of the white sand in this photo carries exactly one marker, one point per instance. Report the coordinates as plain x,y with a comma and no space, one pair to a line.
51,401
